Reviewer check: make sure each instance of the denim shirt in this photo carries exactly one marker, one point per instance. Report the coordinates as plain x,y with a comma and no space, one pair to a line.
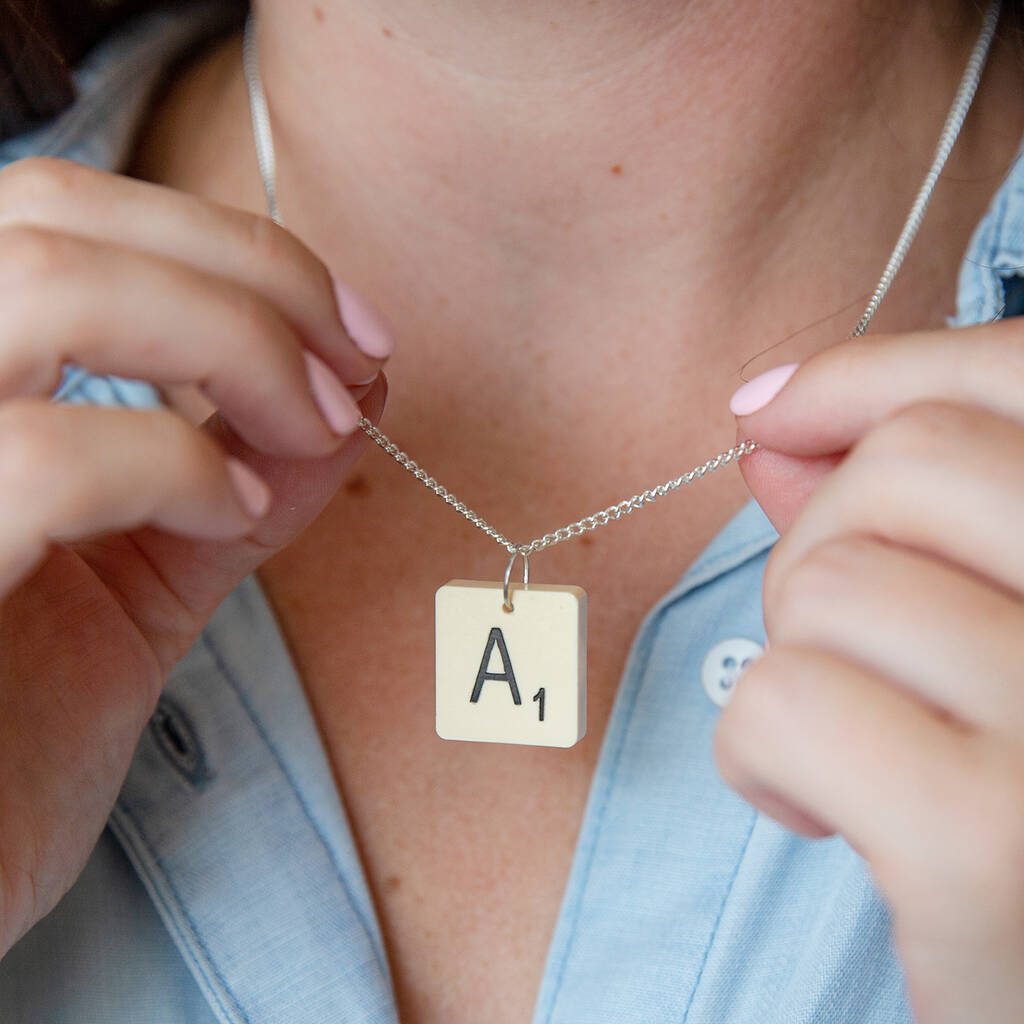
227,885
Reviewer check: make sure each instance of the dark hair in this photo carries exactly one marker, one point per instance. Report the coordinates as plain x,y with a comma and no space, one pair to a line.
41,41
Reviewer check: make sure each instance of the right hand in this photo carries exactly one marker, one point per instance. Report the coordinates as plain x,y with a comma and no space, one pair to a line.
121,530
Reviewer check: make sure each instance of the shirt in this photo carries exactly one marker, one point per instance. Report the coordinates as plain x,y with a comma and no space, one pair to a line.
227,886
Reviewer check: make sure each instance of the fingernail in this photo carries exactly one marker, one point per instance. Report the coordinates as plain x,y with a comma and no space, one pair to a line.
757,393
366,325
337,405
255,494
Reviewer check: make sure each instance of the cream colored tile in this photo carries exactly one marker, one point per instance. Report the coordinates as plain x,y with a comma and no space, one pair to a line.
497,670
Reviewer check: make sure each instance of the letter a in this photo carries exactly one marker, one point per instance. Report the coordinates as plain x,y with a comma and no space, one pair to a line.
496,637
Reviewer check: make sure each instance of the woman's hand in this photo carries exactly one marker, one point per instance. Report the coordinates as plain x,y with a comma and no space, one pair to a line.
890,705
121,530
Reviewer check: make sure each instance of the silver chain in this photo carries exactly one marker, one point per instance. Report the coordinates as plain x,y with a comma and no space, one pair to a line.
950,130
587,523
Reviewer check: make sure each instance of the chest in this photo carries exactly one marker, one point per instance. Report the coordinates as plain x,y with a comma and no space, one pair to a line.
467,847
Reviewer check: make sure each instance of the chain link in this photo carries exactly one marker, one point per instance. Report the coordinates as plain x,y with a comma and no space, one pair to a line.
581,526
951,128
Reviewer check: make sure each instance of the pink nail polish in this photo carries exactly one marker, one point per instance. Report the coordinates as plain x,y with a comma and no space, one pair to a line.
757,393
336,404
366,325
255,494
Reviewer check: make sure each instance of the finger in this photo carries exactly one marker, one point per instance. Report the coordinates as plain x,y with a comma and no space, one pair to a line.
116,311
201,573
944,635
781,484
838,394
945,479
189,401
848,750
66,472
252,251
934,810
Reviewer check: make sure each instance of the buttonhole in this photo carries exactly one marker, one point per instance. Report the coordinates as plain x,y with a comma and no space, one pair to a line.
177,740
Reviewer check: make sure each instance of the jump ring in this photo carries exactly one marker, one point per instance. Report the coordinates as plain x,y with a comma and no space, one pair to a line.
506,597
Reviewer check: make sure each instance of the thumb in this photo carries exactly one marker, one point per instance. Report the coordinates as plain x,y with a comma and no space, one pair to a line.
780,482
808,417
201,573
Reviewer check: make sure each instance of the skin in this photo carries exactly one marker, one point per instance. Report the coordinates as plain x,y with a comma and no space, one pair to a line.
597,185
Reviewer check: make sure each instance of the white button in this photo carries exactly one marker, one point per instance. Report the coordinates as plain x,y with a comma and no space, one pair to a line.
724,664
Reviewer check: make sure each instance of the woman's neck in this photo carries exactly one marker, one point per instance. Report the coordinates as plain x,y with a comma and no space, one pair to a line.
540,147
676,185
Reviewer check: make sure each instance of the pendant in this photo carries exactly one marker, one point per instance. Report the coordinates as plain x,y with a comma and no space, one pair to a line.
511,662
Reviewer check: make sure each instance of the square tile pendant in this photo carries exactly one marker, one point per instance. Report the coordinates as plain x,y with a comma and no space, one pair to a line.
511,677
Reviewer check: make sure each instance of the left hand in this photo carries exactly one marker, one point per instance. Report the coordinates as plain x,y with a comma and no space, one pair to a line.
889,707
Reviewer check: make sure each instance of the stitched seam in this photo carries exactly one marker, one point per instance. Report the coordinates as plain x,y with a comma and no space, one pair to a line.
1002,252
257,725
701,574
993,283
718,919
1001,255
984,263
146,857
641,673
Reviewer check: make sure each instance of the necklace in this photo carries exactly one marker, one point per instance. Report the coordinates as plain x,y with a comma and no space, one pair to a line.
544,625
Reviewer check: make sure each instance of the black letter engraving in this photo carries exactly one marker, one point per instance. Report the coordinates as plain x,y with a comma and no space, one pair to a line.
496,637
539,695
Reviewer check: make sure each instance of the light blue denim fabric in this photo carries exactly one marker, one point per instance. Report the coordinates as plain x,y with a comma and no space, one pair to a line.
227,886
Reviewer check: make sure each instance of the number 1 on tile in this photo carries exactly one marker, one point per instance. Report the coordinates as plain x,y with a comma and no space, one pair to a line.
488,659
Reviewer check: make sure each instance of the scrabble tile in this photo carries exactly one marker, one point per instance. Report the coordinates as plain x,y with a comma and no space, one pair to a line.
511,677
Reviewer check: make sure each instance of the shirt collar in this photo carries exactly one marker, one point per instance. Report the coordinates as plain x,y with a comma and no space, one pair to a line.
230,817
995,252
115,82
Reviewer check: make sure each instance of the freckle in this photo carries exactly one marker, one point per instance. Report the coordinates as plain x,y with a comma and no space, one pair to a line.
386,31
586,540
358,486
617,169
663,217
392,883
555,26
318,13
